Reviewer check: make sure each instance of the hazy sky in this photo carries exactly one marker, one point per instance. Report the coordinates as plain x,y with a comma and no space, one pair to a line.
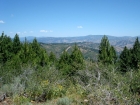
70,17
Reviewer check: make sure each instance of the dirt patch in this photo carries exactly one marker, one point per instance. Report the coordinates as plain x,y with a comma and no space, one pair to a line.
7,101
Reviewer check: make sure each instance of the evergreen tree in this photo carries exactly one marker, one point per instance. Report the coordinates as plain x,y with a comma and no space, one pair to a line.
15,63
136,54
39,55
44,59
64,63
5,48
52,57
36,51
125,60
113,55
76,59
69,64
36,47
26,52
16,44
107,53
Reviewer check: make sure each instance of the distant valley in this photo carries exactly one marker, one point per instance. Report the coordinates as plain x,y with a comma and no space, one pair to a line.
117,42
89,45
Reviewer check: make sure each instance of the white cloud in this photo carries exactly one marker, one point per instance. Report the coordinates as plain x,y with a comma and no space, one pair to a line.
1,21
79,26
43,31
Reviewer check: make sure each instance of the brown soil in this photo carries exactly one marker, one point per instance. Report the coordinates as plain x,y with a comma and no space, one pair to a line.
7,101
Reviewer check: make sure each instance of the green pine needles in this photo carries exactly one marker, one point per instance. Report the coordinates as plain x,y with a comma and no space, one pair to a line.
70,63
130,58
107,54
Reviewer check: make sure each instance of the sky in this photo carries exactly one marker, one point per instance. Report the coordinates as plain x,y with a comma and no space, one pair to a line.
70,18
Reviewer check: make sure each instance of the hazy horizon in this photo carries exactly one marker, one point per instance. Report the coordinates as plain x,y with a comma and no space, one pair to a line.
61,18
72,36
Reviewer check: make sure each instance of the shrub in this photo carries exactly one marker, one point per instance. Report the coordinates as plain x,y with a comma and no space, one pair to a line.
19,100
64,101
135,83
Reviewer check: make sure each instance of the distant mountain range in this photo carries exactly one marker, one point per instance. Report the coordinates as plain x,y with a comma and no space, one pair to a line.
89,45
119,42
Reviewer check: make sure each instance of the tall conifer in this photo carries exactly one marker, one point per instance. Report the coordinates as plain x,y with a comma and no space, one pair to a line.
136,54
107,53
16,44
52,57
64,63
76,58
5,48
125,60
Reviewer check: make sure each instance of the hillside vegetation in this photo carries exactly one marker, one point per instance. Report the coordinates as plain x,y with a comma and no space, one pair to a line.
33,73
88,49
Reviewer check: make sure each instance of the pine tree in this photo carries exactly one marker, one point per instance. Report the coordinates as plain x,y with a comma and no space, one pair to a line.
64,63
113,55
36,47
44,59
136,54
5,48
70,64
52,57
16,44
26,52
104,50
36,51
107,53
125,60
77,59
39,55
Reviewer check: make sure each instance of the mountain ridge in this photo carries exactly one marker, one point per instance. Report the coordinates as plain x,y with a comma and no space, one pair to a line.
114,40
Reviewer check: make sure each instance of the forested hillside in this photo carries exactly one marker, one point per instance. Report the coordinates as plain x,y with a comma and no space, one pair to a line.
31,73
88,49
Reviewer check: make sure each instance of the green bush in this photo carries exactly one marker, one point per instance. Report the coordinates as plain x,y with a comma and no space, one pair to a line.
64,101
135,83
20,100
